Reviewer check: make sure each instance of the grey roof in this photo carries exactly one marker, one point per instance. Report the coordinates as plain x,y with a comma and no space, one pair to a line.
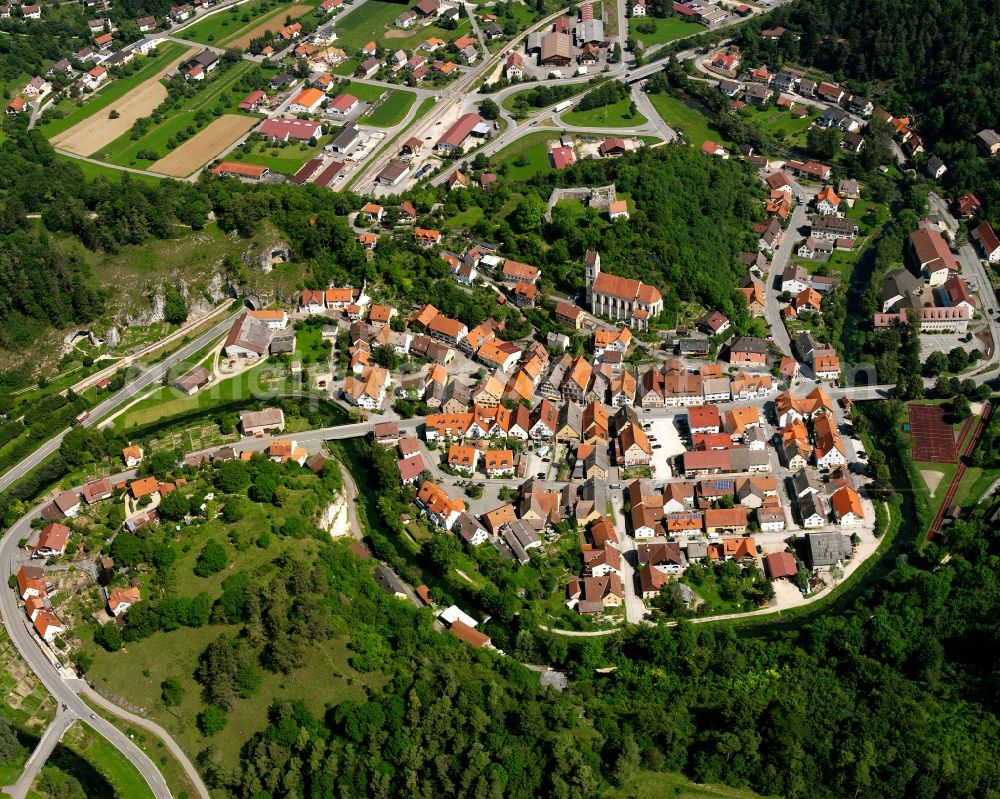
848,187
458,391
692,345
697,549
826,549
571,415
749,344
898,283
249,333
989,137
743,459
389,581
596,491
467,526
526,535
832,224
266,417
811,504
283,342
519,552
590,30
194,378
805,344
804,483
345,139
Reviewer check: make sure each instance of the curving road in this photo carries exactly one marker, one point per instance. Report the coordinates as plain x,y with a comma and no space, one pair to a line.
17,624
146,379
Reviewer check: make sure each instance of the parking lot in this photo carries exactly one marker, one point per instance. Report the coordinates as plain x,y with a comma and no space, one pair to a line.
667,444
945,342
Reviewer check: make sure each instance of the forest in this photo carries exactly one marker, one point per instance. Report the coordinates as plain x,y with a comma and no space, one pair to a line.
893,694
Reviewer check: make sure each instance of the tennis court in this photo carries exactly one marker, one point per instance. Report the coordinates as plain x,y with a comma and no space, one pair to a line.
933,438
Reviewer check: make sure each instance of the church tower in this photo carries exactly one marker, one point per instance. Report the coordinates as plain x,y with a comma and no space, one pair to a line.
592,264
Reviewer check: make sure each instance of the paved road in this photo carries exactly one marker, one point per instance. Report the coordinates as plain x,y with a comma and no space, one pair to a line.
22,635
456,96
53,734
148,378
153,727
772,309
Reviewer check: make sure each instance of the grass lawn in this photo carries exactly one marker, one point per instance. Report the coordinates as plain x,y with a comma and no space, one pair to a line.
391,110
168,401
228,25
531,150
936,496
776,121
974,483
667,29
685,119
324,678
508,101
658,785
124,151
114,91
106,759
347,67
464,219
283,158
154,748
610,116
94,171
374,20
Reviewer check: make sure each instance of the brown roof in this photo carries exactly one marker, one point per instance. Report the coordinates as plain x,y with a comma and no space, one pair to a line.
725,517
470,635
780,564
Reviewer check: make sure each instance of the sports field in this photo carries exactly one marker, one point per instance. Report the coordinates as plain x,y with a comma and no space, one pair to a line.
204,146
933,438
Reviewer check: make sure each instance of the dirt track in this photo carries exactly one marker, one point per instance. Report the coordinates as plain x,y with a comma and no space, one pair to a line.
275,24
204,146
91,135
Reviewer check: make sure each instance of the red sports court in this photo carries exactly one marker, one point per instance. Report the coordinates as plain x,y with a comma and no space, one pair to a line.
933,438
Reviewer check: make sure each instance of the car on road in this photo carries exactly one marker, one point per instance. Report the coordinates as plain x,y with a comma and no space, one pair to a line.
93,715
657,446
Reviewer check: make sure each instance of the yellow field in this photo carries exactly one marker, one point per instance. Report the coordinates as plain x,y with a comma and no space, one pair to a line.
273,25
89,136
204,146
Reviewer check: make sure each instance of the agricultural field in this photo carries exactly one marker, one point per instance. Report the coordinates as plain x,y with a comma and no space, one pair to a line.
163,60
240,25
663,30
374,20
616,115
218,95
204,146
